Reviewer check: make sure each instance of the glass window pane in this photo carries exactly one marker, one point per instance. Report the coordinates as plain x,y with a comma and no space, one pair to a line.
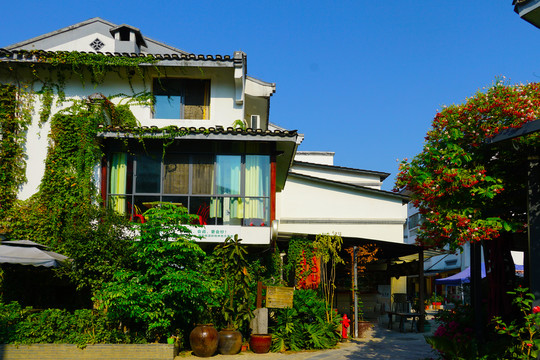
257,175
176,200
196,99
143,203
118,178
176,174
257,212
203,174
227,210
167,107
148,178
200,206
118,204
228,174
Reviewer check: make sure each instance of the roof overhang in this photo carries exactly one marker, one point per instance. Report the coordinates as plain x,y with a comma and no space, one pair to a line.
511,133
285,141
383,193
167,60
528,10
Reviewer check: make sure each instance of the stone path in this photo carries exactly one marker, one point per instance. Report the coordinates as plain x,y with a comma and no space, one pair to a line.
378,343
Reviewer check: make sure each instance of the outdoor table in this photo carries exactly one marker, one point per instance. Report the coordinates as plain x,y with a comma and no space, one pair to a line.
403,316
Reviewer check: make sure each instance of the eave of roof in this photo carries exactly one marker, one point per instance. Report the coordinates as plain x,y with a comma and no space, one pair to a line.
383,175
351,186
25,56
193,132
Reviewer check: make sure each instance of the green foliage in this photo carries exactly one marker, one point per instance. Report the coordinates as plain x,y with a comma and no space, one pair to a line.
524,331
28,326
163,289
454,338
264,266
300,249
230,258
92,64
14,122
304,327
97,248
327,249
466,189
239,124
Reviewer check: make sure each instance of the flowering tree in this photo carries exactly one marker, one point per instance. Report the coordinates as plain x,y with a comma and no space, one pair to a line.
467,189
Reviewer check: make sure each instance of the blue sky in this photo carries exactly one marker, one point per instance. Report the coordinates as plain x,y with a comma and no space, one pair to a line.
361,78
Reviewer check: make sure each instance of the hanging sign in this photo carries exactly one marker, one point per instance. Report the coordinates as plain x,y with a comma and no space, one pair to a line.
279,297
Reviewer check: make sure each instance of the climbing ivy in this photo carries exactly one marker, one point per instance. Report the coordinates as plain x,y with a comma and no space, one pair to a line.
14,122
94,64
66,212
299,260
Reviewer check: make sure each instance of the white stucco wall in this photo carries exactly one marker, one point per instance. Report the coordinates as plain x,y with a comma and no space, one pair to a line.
82,44
316,157
354,178
308,207
223,111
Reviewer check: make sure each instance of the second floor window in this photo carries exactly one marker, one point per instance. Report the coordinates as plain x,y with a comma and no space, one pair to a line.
181,99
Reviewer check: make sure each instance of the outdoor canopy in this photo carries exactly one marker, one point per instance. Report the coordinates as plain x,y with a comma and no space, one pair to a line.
464,277
26,252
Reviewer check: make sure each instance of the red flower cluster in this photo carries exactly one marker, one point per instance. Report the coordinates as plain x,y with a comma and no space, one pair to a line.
457,179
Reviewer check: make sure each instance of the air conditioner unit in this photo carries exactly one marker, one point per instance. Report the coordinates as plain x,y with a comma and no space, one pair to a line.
255,121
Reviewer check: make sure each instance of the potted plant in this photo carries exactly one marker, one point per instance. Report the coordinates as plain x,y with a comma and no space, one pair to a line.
436,301
236,310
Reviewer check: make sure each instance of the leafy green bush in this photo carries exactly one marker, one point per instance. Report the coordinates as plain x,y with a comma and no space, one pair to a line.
304,326
163,291
524,331
82,327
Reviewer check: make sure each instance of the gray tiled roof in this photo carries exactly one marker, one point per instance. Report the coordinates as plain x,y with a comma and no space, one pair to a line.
34,55
110,130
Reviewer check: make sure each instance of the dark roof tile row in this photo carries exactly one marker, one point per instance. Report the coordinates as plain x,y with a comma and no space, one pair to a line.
195,130
35,54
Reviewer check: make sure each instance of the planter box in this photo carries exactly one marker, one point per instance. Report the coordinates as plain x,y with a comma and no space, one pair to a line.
91,352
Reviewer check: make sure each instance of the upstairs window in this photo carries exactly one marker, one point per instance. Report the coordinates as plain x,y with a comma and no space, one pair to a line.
181,99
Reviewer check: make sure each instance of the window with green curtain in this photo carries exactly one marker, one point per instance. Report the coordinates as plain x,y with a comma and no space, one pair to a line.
118,181
257,182
223,189
228,174
228,182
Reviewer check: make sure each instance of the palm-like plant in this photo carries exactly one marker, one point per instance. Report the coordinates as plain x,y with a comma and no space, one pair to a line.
231,255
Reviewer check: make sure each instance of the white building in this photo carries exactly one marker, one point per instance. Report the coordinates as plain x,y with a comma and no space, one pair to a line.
248,180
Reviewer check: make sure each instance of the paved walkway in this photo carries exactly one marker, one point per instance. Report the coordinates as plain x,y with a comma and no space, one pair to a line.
378,343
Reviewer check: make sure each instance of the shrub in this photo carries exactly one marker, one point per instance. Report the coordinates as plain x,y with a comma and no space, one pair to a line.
163,292
524,331
304,326
30,326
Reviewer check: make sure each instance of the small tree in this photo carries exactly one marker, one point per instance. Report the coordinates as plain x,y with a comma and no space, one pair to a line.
230,258
327,249
164,288
471,191
364,255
